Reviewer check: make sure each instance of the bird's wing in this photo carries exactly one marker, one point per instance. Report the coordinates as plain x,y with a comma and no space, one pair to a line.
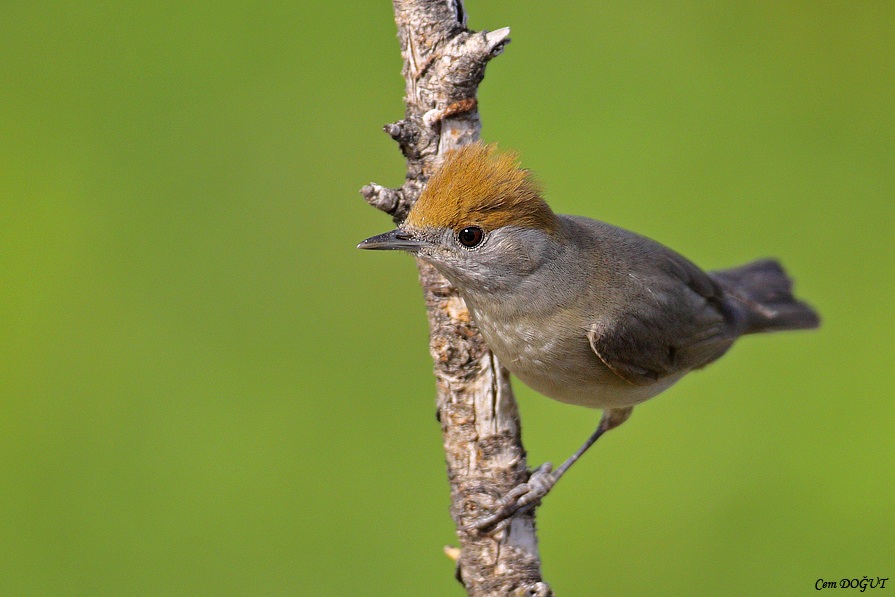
671,321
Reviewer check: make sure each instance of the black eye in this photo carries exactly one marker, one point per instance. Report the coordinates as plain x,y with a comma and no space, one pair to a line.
471,236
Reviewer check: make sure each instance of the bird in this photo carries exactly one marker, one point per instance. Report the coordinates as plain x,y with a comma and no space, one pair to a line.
579,310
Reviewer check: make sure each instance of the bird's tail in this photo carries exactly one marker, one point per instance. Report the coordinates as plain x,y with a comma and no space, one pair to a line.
763,295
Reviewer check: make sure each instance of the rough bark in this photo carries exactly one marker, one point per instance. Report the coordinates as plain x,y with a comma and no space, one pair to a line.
444,63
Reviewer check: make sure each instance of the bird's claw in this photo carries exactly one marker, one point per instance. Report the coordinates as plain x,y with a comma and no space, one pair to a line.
540,482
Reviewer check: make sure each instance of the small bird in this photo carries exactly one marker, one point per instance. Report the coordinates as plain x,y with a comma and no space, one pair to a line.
579,310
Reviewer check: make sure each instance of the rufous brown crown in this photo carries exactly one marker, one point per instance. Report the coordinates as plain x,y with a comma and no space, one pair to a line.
480,186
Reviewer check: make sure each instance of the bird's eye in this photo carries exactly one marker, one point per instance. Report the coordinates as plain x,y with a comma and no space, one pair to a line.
471,236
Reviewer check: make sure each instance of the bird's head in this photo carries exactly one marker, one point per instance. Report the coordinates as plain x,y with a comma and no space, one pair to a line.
480,220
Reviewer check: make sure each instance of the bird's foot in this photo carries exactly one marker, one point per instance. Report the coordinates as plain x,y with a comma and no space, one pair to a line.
522,496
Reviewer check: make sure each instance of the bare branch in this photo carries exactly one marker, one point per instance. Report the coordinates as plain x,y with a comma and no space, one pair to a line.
444,63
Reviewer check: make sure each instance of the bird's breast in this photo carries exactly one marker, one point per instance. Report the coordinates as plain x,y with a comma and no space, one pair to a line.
551,354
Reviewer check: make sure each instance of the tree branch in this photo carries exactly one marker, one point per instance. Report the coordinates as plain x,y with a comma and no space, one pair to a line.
444,63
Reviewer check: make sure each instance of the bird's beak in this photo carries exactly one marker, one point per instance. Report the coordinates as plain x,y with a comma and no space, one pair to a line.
399,240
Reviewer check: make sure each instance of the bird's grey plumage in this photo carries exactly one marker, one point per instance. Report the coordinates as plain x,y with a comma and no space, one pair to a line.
635,329
580,310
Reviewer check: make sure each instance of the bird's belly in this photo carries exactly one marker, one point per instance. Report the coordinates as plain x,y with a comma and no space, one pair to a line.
605,390
564,368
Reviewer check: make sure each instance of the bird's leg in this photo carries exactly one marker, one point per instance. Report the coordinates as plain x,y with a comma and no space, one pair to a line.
543,478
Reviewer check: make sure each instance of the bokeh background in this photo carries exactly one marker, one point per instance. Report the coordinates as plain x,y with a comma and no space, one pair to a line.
205,389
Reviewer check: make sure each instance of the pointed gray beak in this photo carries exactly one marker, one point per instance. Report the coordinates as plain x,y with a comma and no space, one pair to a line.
396,240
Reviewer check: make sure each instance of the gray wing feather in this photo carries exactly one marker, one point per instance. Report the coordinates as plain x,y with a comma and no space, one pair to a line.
672,320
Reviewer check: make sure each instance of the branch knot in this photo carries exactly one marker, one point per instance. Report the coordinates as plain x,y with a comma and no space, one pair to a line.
383,198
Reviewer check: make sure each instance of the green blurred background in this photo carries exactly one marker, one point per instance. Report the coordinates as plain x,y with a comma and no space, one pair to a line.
205,389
